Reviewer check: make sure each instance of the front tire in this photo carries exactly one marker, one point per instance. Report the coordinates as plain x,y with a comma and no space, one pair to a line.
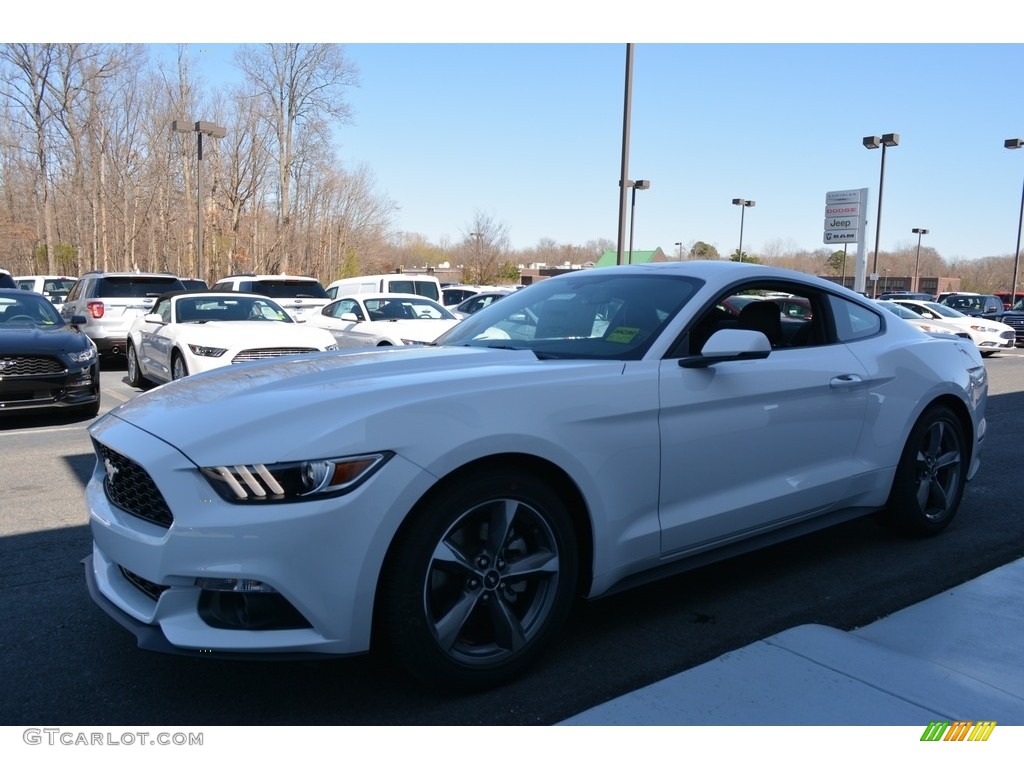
179,370
480,582
931,475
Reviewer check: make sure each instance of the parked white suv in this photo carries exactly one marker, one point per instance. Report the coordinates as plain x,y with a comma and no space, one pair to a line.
110,302
299,296
394,282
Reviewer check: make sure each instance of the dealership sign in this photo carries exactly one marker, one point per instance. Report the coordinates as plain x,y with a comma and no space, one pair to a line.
844,216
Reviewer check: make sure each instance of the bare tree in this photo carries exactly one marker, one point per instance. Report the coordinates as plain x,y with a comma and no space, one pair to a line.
300,85
26,82
485,249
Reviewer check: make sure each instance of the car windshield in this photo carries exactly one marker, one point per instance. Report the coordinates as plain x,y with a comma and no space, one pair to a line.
31,309
202,309
602,314
942,309
406,308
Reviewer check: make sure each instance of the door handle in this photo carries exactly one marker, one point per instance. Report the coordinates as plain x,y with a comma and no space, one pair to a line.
845,381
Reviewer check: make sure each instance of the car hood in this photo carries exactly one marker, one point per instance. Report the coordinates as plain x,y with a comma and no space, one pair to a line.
31,340
338,403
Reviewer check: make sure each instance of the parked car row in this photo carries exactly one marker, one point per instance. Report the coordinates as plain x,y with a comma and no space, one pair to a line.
988,335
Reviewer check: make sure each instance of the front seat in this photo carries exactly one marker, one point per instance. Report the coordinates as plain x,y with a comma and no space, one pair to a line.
763,316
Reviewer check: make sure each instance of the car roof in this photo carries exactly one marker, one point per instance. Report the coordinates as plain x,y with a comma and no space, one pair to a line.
365,296
307,278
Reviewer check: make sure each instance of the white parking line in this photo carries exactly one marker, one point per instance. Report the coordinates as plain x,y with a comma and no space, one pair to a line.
41,430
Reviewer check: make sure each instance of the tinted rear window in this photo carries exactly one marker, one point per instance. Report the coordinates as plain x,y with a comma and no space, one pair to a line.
289,289
420,287
136,286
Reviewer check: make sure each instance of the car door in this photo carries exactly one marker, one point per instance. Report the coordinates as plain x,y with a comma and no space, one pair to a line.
155,343
752,444
342,328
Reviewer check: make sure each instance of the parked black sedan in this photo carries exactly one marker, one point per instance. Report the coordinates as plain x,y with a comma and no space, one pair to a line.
44,362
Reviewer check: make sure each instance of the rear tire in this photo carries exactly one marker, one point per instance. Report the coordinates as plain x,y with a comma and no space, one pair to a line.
931,475
480,582
134,372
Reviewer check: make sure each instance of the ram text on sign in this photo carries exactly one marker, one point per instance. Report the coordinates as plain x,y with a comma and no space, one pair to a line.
841,236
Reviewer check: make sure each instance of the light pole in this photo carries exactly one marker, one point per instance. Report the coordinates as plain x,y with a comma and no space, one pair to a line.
1016,144
680,247
743,204
638,184
201,128
874,142
917,263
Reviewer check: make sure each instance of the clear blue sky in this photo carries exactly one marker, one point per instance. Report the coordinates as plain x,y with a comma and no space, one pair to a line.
531,133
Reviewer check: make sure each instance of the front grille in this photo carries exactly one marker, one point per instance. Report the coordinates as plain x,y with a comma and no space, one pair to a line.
1017,323
1008,335
131,488
18,365
148,588
261,354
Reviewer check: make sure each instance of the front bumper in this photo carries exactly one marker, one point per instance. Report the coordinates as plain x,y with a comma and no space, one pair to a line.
71,388
320,559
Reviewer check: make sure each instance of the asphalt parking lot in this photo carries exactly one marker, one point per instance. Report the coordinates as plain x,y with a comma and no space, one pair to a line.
67,662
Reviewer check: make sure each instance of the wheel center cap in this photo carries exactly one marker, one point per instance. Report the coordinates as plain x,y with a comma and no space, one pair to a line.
491,580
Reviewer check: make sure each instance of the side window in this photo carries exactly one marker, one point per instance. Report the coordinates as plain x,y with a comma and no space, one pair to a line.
345,306
790,315
164,310
853,321
76,290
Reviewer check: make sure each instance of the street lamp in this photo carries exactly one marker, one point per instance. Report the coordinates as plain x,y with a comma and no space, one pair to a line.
680,247
874,142
201,128
744,204
917,263
1016,144
638,184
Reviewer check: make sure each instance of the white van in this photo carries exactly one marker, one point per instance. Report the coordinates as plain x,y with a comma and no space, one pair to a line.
396,282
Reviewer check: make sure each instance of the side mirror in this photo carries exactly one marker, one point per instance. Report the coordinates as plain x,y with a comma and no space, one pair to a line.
349,317
152,317
729,345
79,320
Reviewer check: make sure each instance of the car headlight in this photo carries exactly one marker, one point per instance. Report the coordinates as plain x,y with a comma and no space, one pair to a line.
295,480
84,357
331,348
413,342
201,351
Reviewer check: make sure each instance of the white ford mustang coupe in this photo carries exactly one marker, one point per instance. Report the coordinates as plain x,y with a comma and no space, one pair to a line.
192,332
579,437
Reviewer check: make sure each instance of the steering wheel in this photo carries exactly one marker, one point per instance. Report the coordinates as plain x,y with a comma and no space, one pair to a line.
21,317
